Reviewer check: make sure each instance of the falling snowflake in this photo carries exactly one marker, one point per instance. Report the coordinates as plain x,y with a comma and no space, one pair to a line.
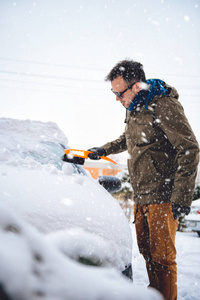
186,18
144,140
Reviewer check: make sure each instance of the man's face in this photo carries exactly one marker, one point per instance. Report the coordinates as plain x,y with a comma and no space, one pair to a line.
119,85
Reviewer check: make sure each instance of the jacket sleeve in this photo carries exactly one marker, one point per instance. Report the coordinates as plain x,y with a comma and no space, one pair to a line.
116,146
170,117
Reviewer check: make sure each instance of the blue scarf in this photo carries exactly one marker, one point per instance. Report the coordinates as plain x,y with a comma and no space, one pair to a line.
156,87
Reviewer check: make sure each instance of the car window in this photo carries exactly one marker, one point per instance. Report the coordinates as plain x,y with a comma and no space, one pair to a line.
45,153
52,153
78,168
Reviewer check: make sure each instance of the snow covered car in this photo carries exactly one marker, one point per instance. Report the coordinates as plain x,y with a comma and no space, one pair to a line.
193,219
60,199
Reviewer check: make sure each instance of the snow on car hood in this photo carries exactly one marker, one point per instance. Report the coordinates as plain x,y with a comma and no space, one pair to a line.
57,200
32,268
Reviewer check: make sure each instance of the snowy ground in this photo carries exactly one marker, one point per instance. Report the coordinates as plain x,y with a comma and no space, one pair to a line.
188,260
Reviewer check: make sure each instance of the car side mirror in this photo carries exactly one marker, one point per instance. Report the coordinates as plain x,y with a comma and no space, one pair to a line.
110,183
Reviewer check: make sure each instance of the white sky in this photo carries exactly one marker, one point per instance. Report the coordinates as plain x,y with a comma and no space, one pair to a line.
54,56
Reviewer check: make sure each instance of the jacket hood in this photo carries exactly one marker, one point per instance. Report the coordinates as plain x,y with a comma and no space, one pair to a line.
172,92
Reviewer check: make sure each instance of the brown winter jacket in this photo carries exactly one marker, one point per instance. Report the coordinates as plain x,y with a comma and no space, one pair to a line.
163,150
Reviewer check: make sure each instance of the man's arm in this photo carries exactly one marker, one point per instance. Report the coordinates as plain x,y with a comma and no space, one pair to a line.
116,146
172,120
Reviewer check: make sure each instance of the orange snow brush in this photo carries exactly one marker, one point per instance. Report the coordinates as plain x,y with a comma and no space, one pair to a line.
84,154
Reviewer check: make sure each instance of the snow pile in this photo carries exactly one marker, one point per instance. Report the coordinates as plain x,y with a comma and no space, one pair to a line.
20,137
18,128
80,245
52,202
31,268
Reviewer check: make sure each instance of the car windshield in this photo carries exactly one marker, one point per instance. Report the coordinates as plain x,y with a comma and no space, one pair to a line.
51,153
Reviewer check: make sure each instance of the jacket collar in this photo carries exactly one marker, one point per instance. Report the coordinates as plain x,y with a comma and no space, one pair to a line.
145,96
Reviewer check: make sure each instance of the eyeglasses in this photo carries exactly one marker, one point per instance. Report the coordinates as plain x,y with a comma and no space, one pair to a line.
120,94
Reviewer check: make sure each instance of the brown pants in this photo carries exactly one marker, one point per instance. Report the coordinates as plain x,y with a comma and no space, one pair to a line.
156,232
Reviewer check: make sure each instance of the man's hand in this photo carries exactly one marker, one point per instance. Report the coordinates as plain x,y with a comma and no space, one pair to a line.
179,210
74,159
97,152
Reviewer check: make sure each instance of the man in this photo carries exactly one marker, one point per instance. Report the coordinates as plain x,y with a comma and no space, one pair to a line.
163,159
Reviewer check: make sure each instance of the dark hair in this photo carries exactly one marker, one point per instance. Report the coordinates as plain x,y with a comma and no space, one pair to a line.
130,70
